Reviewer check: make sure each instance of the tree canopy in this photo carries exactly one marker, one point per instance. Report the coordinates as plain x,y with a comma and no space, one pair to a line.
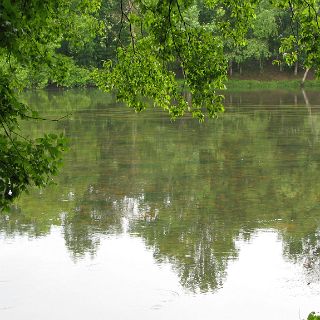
138,49
31,33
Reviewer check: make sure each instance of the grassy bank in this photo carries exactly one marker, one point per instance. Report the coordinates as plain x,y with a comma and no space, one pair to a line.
271,84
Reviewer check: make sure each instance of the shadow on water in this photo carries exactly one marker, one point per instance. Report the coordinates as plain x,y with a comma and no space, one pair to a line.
190,190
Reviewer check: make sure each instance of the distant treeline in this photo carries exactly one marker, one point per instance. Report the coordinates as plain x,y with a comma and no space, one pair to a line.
259,55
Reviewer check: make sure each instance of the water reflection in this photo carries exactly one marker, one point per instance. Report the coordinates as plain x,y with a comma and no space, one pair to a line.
191,191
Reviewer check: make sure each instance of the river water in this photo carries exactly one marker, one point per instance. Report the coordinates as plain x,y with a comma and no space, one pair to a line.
153,219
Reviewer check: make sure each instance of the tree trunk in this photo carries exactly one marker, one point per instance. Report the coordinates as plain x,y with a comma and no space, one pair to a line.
305,97
296,65
304,77
133,34
308,105
230,68
260,65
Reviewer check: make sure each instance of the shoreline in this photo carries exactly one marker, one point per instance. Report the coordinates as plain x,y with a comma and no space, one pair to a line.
272,84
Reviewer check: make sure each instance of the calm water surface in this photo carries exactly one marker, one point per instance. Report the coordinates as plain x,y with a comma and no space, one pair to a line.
151,219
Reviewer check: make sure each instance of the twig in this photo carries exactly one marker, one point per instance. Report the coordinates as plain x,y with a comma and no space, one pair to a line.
9,137
182,19
296,35
46,119
121,22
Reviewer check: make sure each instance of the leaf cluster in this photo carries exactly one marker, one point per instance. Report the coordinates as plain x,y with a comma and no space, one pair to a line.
304,40
313,316
30,33
164,44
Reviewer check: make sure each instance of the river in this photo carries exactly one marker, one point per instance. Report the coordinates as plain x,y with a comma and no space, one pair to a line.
153,219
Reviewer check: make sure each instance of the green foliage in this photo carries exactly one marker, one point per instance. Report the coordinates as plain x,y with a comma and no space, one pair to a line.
165,34
313,316
304,40
258,44
141,74
23,161
30,33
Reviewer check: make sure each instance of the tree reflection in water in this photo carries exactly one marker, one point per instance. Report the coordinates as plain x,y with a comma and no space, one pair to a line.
189,190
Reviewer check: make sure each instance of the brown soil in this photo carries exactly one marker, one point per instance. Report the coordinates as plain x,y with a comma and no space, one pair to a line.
269,73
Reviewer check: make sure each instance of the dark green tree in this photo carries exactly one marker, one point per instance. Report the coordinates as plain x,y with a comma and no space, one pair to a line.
164,40
303,42
30,33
